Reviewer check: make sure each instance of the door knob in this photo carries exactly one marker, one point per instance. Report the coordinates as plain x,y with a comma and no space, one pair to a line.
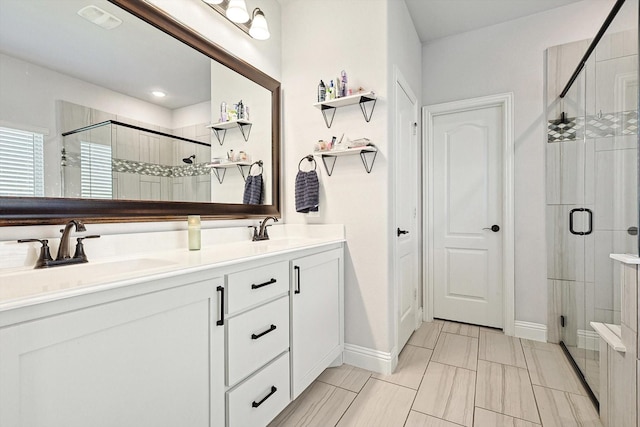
402,232
495,228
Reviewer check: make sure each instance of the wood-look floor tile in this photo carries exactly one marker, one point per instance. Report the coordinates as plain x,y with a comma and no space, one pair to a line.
456,350
505,389
562,409
417,419
501,349
412,363
551,369
540,345
379,404
345,376
447,392
319,405
427,335
461,329
484,418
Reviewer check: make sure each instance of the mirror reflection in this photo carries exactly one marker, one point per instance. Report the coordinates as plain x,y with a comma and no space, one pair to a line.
97,104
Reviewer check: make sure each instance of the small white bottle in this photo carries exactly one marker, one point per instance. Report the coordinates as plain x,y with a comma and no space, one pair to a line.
193,227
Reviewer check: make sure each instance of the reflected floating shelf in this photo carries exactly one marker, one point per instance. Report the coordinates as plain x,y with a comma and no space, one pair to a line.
220,169
334,154
359,98
220,129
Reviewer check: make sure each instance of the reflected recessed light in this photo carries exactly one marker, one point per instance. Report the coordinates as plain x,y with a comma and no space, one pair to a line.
158,93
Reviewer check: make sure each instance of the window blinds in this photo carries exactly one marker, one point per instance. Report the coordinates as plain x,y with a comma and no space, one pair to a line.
21,163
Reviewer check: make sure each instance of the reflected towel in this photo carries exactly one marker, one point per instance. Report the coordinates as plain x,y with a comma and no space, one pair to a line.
307,191
253,190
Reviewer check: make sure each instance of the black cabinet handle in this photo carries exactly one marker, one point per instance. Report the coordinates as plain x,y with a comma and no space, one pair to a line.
581,233
297,270
256,404
221,290
261,334
270,282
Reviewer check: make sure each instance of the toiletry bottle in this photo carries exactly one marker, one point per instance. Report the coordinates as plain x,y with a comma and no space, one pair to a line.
332,91
193,229
246,112
343,86
240,110
338,88
322,92
223,111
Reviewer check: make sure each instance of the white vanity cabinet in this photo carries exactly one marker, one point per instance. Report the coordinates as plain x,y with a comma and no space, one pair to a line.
317,316
146,360
257,347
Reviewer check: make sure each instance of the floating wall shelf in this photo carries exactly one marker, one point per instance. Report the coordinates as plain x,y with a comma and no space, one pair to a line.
334,154
360,98
221,128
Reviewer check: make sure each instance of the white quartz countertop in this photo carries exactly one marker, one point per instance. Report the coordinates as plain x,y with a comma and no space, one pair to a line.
19,288
626,258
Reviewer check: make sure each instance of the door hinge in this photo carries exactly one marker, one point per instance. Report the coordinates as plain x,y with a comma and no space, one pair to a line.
415,128
562,321
415,294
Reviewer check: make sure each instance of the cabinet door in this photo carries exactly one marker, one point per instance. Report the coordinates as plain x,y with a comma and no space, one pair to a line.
317,316
151,360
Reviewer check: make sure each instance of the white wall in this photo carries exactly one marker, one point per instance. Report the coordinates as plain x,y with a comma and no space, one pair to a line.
509,57
367,49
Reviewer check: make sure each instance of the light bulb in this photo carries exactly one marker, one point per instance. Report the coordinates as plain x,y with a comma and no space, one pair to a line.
259,29
237,11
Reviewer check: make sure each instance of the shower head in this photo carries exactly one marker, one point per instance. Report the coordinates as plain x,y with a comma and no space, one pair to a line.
189,160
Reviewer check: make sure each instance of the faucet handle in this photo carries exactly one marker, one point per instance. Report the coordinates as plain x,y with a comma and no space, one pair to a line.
45,254
80,247
255,232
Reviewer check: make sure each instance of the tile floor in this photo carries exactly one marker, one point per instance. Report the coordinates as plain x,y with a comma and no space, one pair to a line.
451,375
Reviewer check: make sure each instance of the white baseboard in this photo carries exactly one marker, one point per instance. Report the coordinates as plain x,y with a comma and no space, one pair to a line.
589,340
531,331
419,317
372,360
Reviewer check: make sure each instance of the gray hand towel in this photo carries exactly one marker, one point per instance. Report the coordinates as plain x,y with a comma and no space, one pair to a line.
307,191
253,190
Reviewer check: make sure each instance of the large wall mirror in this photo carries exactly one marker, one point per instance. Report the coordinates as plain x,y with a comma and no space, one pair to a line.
82,134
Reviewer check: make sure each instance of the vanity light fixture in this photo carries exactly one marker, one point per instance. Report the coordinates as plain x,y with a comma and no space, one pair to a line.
255,25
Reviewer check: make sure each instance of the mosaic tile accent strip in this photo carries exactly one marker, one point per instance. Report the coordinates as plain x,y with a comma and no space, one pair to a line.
610,124
153,169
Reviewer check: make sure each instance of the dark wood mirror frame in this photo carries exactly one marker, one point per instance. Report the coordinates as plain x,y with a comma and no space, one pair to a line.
43,210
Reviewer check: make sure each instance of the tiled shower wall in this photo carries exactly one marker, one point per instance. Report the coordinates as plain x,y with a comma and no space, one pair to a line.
145,166
591,163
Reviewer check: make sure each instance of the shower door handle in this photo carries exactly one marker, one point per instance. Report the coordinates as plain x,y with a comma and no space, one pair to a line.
581,233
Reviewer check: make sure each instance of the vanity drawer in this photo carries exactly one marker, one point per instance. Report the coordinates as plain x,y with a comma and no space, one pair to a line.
256,337
250,287
258,400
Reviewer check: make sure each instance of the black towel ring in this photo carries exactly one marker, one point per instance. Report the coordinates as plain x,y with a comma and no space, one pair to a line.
310,159
259,163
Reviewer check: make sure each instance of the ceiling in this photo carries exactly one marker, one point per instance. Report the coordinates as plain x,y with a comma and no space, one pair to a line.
134,58
435,19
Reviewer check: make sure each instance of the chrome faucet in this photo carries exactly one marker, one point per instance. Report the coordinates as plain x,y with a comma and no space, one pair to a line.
63,250
262,233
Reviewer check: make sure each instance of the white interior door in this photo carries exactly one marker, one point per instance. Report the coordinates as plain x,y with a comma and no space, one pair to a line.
407,271
467,203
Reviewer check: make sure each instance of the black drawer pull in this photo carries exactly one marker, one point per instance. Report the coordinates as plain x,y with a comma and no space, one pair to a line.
261,334
256,404
270,282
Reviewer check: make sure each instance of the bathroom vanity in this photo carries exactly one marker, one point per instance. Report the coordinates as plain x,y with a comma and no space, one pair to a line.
228,335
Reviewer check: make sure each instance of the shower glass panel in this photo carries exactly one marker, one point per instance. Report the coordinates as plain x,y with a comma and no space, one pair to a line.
592,191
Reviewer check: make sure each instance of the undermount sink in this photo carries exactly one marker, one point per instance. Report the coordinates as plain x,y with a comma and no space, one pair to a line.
18,284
